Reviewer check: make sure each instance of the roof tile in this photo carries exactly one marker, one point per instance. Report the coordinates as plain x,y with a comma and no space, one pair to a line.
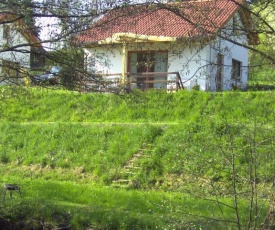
186,19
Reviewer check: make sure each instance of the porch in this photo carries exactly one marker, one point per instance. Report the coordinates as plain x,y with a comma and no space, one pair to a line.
119,82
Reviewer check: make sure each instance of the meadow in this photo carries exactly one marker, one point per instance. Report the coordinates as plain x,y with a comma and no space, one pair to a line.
145,160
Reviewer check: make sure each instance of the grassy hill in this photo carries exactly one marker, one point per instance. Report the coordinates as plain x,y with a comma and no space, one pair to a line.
186,160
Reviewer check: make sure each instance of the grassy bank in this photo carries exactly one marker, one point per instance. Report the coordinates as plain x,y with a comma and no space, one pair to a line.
45,105
53,203
193,153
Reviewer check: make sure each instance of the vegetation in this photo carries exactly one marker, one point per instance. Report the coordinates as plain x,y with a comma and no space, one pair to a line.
200,160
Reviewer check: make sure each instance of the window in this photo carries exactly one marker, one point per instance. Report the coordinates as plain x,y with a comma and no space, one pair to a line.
142,62
236,70
7,34
37,60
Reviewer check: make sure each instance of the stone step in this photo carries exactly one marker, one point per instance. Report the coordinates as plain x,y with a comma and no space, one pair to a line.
131,167
121,181
120,186
129,172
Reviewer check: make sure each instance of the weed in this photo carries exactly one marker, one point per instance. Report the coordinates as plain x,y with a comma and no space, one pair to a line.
4,158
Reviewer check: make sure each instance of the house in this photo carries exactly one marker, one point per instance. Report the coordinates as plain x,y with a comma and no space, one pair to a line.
205,42
19,48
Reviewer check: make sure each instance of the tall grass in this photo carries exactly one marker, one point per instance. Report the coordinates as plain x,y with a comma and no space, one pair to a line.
44,105
65,147
91,206
96,148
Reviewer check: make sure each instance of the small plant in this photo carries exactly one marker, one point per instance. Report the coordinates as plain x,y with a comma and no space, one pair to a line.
4,158
234,87
196,86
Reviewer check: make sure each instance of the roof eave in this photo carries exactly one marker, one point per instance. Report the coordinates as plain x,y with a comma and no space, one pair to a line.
120,38
135,38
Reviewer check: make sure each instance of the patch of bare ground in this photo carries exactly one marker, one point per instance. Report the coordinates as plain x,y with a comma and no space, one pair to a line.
78,174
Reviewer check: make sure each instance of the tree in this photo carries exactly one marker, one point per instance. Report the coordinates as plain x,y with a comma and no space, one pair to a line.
29,18
67,19
266,34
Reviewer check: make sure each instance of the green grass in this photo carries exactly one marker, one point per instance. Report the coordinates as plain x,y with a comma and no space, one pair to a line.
97,148
262,78
45,105
65,148
106,208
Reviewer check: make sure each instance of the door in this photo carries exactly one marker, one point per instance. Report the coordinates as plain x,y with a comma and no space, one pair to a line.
147,62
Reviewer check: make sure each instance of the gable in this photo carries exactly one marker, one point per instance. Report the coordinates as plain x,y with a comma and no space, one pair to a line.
16,23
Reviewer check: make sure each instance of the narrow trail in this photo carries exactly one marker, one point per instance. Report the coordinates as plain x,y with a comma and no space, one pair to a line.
130,169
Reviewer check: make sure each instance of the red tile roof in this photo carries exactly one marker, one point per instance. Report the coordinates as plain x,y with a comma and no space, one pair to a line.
187,19
23,28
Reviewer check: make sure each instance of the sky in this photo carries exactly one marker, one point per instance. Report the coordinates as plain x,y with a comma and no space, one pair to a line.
50,29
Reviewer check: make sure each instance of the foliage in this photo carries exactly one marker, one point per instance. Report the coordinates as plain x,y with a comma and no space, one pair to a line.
44,105
71,62
262,67
103,149
60,21
66,204
214,146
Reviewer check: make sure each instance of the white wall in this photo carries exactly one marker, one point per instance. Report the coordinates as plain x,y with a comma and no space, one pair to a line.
108,59
230,51
190,61
104,60
240,54
22,55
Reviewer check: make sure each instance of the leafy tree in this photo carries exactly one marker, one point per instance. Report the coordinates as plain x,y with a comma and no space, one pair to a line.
64,19
262,68
67,18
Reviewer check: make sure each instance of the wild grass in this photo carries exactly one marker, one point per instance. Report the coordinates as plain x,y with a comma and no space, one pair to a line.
45,105
95,148
66,148
262,77
81,206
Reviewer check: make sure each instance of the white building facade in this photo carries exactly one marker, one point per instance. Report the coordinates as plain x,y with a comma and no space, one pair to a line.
14,52
210,57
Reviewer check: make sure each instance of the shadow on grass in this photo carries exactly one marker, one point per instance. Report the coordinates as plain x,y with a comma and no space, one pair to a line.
260,87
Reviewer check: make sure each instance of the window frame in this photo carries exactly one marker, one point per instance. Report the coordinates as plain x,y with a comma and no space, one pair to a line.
236,72
220,72
148,64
